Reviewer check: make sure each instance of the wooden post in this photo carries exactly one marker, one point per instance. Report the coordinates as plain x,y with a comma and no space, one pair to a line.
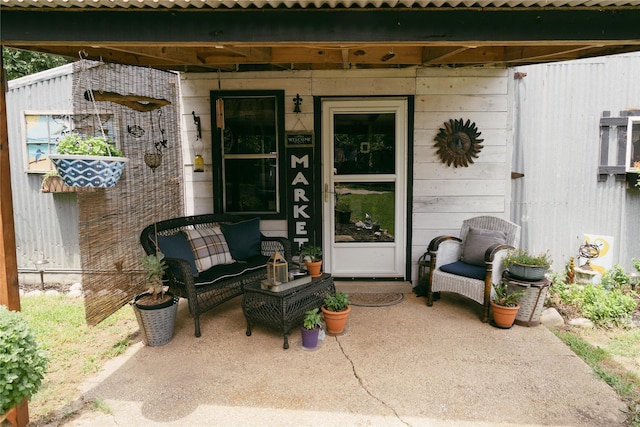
9,289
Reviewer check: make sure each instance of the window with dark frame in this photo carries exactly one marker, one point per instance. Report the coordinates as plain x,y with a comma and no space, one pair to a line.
248,141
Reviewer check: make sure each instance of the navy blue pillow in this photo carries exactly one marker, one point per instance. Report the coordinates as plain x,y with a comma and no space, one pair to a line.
177,246
461,268
243,238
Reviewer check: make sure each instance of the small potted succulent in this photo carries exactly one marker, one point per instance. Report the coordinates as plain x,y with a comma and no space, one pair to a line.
23,363
88,161
336,309
505,306
523,265
311,328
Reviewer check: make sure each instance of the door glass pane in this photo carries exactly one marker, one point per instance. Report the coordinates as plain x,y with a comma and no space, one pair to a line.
364,143
364,212
250,185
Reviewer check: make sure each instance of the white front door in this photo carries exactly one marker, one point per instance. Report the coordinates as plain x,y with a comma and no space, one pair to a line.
364,144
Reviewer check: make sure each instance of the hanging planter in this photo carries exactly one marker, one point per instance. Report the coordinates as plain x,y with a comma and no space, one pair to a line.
88,162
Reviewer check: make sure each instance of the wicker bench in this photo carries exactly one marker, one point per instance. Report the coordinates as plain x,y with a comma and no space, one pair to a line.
206,290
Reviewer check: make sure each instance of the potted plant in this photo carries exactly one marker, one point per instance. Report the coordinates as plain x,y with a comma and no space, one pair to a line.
504,305
155,309
52,183
336,308
343,212
312,256
523,265
22,363
311,328
88,162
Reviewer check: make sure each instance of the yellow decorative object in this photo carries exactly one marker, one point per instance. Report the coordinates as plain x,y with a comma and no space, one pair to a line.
277,269
198,163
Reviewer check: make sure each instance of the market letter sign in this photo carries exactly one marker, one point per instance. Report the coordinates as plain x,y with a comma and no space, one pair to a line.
300,198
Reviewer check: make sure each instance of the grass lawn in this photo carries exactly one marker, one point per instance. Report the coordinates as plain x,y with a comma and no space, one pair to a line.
76,351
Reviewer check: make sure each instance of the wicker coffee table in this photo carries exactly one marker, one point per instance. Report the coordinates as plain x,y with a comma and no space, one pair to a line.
284,310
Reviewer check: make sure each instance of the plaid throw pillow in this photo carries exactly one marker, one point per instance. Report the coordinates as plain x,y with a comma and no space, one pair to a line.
209,247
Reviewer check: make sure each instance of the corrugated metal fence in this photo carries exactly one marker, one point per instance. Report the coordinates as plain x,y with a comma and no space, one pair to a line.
557,146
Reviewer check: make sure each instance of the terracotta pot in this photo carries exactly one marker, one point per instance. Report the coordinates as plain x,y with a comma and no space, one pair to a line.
503,317
314,268
335,320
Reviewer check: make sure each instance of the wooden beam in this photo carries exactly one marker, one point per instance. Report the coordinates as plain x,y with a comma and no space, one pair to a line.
9,289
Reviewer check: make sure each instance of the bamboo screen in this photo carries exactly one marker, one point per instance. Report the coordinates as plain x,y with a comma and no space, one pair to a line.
111,219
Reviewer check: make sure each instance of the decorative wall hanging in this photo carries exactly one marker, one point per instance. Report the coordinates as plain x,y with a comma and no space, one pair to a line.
198,161
153,159
458,143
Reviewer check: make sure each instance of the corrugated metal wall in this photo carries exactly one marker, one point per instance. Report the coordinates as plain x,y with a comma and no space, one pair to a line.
557,146
46,225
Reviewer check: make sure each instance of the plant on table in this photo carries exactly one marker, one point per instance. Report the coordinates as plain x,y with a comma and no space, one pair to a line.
525,265
22,362
312,256
522,257
311,253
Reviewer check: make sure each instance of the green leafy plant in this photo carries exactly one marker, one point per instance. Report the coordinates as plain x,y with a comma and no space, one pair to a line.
155,266
636,263
615,277
313,252
312,319
74,144
338,301
504,297
522,257
343,206
22,362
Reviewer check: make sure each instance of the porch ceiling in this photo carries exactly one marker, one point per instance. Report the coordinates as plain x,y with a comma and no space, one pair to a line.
246,39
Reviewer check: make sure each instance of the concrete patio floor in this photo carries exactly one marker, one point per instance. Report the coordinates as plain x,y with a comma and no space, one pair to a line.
401,365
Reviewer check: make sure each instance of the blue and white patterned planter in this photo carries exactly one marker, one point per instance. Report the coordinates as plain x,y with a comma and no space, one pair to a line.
89,171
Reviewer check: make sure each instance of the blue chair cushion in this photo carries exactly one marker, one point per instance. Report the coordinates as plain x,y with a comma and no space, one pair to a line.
243,238
461,268
226,271
177,246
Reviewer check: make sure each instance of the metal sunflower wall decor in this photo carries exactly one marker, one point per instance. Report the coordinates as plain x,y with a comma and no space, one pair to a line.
458,143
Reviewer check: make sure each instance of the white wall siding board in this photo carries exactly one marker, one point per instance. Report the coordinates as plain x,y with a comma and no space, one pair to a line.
46,225
443,196
557,146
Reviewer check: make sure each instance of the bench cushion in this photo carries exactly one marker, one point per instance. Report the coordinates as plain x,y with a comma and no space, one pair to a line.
209,247
243,238
222,272
177,246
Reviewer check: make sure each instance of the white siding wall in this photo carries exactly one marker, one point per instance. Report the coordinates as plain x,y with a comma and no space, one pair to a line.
443,196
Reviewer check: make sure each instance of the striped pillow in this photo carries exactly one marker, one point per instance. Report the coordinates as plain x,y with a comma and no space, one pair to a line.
209,247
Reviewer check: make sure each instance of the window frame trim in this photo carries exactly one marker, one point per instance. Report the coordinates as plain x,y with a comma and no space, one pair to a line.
218,155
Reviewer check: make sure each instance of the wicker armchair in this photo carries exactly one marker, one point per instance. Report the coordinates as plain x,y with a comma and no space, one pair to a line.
209,289
469,265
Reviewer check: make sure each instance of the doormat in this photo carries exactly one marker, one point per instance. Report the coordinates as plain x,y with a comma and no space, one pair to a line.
373,299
